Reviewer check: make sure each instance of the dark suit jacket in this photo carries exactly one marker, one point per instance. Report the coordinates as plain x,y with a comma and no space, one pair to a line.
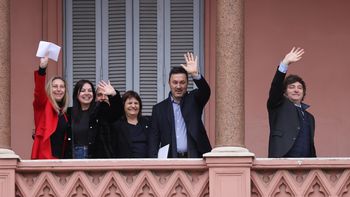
121,139
163,129
284,120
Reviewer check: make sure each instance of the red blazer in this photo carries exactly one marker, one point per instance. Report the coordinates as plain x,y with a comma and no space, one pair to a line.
46,119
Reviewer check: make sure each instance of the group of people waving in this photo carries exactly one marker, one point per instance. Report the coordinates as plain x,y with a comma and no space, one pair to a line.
103,124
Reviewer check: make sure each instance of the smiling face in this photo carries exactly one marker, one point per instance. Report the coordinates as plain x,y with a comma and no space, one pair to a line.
58,89
85,96
295,92
131,107
178,85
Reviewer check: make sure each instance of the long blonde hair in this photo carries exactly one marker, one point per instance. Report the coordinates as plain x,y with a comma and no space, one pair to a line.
65,98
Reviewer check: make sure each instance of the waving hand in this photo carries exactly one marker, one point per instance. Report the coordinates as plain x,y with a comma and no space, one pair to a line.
293,56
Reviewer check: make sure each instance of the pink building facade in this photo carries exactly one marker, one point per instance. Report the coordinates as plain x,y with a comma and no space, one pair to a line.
267,35
244,42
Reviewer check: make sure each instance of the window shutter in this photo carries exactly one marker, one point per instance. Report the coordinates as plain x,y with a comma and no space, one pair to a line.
133,43
84,45
148,54
181,32
117,44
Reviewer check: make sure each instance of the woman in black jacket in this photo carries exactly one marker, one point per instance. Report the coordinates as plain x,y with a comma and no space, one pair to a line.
130,133
90,120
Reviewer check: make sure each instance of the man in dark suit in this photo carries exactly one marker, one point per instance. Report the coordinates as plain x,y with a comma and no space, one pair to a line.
177,120
292,128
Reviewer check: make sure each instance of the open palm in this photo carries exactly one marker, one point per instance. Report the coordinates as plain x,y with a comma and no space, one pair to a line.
293,56
191,65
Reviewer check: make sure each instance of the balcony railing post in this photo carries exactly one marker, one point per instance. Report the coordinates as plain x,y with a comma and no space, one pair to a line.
229,162
229,171
8,164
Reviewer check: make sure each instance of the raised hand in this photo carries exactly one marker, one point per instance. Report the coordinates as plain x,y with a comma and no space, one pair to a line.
44,61
191,64
293,56
107,88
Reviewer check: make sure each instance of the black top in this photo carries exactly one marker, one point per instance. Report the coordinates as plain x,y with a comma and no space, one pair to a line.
58,137
81,130
138,141
92,127
130,141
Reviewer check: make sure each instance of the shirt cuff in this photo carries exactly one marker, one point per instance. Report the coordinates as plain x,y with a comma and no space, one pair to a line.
283,68
198,77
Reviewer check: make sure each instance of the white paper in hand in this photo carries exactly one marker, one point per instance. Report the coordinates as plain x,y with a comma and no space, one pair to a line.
48,49
163,152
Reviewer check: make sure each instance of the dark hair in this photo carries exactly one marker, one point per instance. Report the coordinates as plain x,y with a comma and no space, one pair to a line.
77,89
178,70
290,79
132,94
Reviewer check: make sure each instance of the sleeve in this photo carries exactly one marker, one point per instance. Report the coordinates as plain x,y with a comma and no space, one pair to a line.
40,97
42,71
116,108
276,90
283,68
202,94
153,136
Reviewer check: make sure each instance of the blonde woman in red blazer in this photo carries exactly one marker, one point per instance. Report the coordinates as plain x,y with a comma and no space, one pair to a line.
51,122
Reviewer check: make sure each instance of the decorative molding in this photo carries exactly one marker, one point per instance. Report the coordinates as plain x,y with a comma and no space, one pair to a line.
99,182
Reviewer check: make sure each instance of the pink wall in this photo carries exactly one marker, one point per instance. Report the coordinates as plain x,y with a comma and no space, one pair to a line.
322,28
31,21
272,28
26,26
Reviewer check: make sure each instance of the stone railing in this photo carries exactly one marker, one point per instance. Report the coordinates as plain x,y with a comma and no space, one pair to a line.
111,177
319,177
220,176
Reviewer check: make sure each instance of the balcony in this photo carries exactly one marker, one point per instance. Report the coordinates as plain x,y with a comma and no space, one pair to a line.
211,176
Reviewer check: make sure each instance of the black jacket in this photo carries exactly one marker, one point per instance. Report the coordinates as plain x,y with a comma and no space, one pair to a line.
121,140
99,134
163,129
284,120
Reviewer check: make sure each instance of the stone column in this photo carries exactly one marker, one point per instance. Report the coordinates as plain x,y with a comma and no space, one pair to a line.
5,131
229,162
5,112
8,160
230,73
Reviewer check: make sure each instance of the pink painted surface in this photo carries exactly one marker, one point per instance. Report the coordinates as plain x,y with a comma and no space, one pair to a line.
225,182
31,21
232,177
229,176
7,177
322,28
272,27
210,65
301,177
112,178
25,33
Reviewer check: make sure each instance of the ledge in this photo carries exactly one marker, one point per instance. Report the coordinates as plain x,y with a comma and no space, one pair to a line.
110,164
296,163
